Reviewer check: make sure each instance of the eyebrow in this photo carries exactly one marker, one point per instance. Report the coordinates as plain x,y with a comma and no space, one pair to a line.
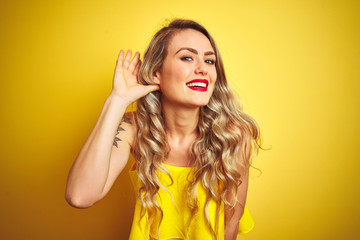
195,51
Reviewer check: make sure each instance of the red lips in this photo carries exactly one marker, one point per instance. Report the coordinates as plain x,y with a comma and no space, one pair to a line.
198,85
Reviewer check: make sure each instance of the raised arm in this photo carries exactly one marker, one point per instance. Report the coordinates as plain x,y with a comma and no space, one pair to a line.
106,151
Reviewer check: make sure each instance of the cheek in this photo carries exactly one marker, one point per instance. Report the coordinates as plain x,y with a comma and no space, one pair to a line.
170,78
182,70
178,73
214,75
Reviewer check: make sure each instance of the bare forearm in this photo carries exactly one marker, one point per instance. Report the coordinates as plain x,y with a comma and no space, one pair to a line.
98,165
89,172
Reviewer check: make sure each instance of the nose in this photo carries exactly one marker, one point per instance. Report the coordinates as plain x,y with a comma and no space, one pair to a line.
201,68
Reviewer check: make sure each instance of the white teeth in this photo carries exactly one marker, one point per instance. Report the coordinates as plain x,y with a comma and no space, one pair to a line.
196,84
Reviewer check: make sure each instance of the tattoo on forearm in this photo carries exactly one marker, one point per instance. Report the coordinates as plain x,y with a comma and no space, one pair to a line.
126,120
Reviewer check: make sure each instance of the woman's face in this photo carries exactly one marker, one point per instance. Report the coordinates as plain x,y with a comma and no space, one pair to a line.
188,73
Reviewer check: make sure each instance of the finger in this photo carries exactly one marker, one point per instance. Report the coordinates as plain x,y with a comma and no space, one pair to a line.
119,63
126,62
151,88
120,58
137,68
134,61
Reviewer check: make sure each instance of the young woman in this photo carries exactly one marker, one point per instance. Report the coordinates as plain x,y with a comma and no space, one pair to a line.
191,142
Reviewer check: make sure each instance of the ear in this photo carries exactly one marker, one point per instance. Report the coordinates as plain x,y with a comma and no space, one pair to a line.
156,77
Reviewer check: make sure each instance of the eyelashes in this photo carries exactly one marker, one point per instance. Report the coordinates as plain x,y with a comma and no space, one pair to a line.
212,62
189,59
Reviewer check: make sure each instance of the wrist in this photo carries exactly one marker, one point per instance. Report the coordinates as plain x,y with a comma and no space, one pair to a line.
117,100
116,105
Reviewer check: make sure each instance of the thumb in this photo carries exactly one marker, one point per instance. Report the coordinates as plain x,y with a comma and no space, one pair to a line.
151,88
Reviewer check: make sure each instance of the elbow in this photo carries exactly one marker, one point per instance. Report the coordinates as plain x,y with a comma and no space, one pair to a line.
78,201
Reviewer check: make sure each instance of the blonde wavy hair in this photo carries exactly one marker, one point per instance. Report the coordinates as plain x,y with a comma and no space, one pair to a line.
228,138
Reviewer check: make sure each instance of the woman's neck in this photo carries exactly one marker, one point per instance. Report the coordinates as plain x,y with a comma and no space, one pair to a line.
180,122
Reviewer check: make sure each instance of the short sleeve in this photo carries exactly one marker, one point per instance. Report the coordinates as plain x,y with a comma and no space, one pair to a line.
246,222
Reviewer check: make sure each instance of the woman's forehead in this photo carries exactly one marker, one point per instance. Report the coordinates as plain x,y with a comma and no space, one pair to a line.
189,38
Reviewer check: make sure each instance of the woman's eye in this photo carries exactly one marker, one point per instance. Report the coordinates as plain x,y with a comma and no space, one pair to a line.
188,59
209,61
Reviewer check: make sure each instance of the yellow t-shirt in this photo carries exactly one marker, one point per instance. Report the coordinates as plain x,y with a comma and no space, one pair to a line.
176,214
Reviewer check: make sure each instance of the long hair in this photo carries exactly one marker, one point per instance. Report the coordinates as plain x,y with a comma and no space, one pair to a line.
227,136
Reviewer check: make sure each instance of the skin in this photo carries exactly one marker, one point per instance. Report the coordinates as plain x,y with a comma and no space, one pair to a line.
189,56
180,103
106,151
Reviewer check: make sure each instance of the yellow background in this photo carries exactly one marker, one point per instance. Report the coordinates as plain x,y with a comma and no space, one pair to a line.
295,64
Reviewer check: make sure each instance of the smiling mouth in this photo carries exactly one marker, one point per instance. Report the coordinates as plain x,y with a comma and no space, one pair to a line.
198,85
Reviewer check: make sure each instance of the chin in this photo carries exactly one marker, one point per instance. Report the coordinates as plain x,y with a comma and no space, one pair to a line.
201,103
